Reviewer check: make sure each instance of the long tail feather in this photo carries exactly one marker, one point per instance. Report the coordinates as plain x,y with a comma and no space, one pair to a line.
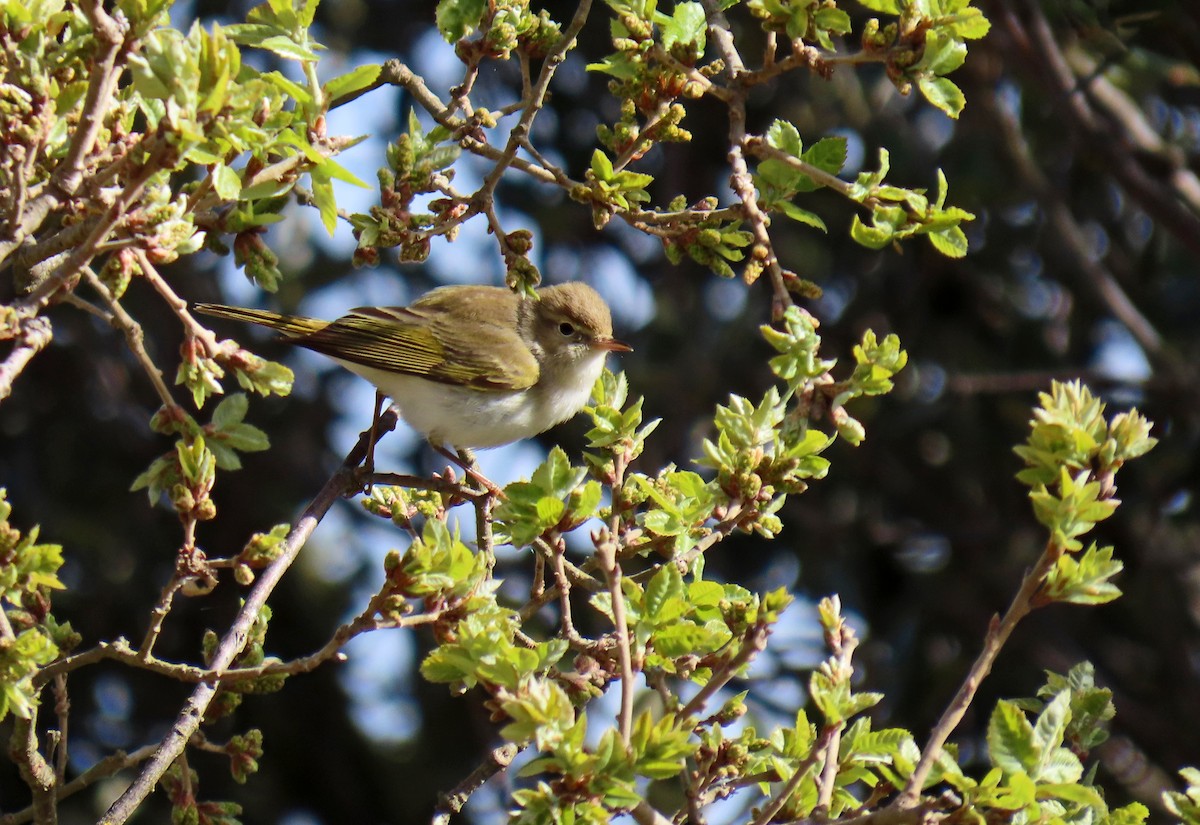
287,324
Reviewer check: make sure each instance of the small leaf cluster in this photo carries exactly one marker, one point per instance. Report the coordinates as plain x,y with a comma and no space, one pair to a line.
709,241
650,72
253,655
219,108
440,570
778,181
875,364
1038,773
1072,456
504,26
617,430
201,372
676,627
180,111
28,572
187,473
764,449
870,760
554,499
815,21
244,751
180,784
680,506
477,637
682,630
830,684
609,190
1069,431
866,760
1091,707
591,783
481,648
926,43
1185,805
260,550
405,505
898,213
418,163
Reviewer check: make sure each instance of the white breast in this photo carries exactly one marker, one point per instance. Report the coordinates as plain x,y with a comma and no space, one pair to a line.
463,417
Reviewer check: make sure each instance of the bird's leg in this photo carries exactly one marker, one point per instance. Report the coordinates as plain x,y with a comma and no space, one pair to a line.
466,460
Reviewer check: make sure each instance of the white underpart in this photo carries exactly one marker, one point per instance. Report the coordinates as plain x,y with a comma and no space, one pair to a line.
465,417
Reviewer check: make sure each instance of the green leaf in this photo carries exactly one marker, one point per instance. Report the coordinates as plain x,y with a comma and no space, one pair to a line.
602,167
970,24
784,136
883,6
1084,580
352,81
872,237
666,584
338,172
1051,726
549,511
943,94
323,197
802,215
286,47
458,18
231,410
943,54
226,182
687,26
827,154
950,242
1010,739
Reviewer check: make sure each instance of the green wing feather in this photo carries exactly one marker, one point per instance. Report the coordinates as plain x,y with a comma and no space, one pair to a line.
424,340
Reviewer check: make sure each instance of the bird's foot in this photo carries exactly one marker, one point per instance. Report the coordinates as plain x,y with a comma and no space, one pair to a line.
465,459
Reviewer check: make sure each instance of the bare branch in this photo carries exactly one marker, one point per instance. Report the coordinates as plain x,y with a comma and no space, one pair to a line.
754,642
997,634
34,335
452,802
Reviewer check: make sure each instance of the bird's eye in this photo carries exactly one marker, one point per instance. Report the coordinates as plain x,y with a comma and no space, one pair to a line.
566,329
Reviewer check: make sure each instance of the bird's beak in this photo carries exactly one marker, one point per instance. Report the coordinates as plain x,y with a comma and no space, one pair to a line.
611,345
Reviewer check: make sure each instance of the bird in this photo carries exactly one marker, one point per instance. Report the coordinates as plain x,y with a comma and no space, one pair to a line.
468,367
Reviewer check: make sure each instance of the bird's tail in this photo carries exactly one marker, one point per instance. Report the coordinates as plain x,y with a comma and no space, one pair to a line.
291,325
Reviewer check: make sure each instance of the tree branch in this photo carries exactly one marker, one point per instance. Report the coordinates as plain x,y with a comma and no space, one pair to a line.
33,335
997,634
235,638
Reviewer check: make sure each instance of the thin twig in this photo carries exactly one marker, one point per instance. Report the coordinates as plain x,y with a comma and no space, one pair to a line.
452,802
820,747
606,555
740,179
997,634
158,614
35,334
62,709
109,765
643,814
135,337
606,552
566,622
754,642
34,769
99,97
120,651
